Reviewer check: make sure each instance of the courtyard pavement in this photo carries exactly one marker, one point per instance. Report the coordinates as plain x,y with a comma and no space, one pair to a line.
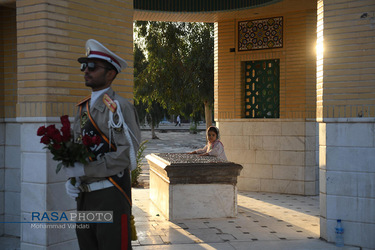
265,220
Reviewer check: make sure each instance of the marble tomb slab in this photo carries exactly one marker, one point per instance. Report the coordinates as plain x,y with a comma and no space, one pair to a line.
186,186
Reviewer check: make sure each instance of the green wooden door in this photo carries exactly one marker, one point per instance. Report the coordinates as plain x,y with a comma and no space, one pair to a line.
262,89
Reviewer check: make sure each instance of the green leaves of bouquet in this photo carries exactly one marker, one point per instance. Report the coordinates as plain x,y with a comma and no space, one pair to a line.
62,146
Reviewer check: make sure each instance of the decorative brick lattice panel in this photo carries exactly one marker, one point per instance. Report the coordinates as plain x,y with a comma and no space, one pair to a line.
262,88
260,34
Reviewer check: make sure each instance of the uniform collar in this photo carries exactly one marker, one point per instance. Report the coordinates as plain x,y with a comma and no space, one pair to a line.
99,104
96,94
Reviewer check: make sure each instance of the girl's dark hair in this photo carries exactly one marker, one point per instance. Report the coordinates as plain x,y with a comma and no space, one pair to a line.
214,129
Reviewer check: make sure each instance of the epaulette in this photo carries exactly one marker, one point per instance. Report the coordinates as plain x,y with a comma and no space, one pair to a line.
109,103
84,100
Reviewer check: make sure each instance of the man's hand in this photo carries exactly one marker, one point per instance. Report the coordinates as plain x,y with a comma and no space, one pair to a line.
73,191
75,171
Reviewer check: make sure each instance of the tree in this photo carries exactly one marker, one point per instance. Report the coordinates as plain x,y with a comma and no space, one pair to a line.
145,99
201,60
178,75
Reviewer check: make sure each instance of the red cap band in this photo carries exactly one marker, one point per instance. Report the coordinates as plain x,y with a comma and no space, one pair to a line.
104,54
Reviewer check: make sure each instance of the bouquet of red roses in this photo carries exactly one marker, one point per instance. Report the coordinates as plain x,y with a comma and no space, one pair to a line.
61,144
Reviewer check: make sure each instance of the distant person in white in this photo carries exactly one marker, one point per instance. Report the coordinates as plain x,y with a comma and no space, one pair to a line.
178,122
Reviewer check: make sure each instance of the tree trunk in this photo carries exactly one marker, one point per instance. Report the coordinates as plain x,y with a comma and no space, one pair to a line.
153,135
153,132
208,114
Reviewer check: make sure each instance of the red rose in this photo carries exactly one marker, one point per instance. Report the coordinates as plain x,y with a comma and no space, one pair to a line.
60,143
45,140
64,118
65,133
86,140
96,140
65,121
56,137
41,131
51,130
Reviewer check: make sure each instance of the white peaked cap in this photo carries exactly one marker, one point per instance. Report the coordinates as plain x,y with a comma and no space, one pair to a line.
95,49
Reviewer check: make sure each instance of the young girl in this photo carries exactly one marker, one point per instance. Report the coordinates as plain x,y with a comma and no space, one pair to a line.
214,146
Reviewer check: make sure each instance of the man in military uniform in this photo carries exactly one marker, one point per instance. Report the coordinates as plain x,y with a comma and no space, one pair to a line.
104,184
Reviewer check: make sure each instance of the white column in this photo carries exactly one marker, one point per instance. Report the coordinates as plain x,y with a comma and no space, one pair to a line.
347,179
2,174
42,190
11,175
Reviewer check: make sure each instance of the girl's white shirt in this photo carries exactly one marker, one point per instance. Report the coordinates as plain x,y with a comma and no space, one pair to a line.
214,149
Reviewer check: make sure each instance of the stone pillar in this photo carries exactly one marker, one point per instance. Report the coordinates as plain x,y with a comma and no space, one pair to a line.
42,190
9,129
2,173
347,179
12,186
50,38
346,112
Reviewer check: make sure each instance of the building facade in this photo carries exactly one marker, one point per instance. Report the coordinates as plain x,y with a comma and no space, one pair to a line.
294,99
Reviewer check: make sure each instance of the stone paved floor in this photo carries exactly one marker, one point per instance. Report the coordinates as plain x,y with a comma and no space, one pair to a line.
265,221
169,142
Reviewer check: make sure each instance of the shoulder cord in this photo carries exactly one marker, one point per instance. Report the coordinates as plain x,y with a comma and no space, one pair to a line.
127,132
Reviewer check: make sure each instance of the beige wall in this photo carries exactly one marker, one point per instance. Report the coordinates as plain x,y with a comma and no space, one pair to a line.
8,62
348,59
51,36
297,67
277,155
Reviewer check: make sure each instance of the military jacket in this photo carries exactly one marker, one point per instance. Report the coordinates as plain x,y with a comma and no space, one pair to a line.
112,162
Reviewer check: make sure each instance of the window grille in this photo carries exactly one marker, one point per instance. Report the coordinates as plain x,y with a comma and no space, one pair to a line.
262,89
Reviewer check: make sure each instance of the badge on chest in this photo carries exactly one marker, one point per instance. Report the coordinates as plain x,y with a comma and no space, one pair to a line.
111,105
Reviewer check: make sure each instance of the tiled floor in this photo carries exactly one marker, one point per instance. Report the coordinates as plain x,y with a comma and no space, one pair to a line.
261,217
265,221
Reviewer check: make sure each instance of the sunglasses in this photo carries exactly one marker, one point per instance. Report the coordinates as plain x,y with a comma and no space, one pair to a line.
91,66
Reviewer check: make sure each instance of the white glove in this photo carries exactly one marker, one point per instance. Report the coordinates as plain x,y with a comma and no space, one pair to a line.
71,190
75,171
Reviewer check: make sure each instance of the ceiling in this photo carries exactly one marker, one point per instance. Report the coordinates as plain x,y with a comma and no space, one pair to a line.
205,13
208,10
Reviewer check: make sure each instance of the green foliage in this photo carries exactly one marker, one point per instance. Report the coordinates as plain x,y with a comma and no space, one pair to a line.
138,170
146,99
177,75
201,63
193,128
69,153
